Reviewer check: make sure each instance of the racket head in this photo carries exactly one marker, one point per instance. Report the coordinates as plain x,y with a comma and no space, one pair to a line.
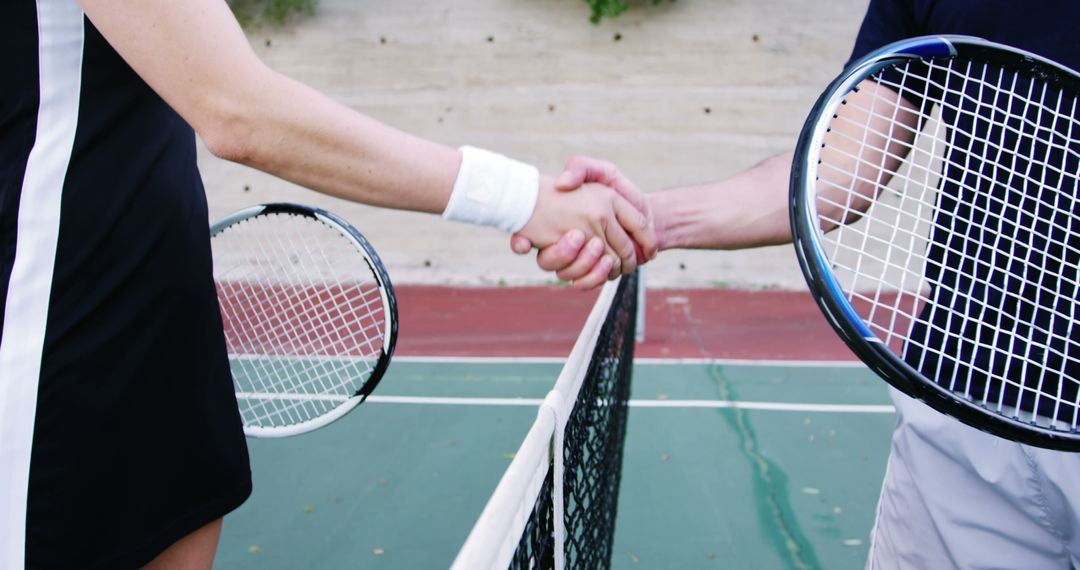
309,314
879,274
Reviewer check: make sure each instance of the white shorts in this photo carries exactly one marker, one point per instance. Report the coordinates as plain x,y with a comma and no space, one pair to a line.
955,497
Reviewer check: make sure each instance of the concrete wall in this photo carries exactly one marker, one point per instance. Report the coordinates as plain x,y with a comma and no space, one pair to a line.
681,93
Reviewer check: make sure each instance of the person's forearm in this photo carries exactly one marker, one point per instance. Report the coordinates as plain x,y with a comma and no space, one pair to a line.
195,56
747,210
323,145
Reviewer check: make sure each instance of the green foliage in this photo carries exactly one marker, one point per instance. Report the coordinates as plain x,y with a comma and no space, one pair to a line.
273,12
610,8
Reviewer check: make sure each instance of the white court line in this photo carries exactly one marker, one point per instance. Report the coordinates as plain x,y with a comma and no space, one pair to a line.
440,401
767,406
688,404
752,362
648,361
479,359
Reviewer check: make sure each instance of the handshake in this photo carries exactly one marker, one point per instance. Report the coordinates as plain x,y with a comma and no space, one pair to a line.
590,224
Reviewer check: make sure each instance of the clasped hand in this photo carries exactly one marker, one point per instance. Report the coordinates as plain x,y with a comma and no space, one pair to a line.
591,224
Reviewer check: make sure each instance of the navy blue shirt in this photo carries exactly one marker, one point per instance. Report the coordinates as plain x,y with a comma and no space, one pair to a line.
1045,27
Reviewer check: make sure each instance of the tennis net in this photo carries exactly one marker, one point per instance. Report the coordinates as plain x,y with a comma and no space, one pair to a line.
555,506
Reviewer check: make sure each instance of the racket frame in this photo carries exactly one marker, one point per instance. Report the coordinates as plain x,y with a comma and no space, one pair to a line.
815,264
382,280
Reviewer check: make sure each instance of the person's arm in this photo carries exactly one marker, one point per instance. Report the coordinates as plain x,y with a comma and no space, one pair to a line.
747,210
751,208
194,55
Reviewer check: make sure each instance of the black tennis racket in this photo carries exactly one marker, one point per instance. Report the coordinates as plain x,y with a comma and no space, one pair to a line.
935,206
310,316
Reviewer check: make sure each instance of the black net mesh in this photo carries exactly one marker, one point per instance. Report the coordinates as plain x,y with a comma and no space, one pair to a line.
537,546
593,451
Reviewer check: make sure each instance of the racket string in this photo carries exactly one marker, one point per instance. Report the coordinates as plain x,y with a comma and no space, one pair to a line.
314,331
321,374
274,323
280,323
964,282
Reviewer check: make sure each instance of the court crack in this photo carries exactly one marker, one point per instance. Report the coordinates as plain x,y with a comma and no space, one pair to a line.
775,513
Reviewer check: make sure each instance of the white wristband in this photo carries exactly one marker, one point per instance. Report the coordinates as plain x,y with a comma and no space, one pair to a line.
493,190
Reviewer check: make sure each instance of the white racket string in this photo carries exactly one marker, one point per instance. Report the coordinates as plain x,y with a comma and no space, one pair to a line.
319,378
304,317
966,264
318,315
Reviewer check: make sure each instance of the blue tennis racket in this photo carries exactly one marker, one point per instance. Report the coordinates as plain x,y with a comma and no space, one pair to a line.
935,206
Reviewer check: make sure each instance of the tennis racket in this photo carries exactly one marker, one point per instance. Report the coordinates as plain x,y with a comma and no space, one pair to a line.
935,207
310,316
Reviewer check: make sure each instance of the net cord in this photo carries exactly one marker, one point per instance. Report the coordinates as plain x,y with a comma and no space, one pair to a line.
495,536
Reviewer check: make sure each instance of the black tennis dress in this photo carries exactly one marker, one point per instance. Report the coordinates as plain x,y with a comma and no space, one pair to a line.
119,431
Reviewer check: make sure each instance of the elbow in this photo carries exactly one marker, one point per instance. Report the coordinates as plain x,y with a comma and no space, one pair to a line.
225,146
228,133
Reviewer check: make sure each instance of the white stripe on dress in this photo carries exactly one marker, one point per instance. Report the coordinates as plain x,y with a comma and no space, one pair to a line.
60,53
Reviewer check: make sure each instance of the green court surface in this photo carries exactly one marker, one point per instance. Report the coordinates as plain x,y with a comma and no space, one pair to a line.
789,479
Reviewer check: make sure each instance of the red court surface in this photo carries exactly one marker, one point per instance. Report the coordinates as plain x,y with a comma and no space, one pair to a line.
679,323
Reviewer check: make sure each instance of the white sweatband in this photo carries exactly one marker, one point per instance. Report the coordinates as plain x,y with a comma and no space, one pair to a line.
493,190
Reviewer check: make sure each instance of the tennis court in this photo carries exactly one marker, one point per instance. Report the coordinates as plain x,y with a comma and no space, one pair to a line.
787,478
